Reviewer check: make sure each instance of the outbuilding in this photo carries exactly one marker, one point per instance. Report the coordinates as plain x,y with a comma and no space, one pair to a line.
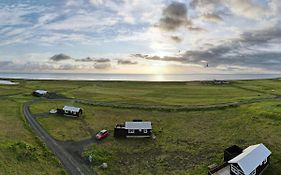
70,111
137,128
40,93
252,161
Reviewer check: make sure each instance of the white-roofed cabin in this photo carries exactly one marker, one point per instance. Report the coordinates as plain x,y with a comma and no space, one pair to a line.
133,129
70,111
40,93
252,161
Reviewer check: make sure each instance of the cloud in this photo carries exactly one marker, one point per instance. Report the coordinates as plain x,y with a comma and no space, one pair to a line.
97,2
176,39
60,57
244,8
102,65
212,17
126,62
89,59
253,49
197,29
158,58
173,17
102,60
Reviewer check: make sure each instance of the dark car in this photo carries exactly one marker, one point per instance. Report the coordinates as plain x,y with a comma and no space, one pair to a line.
102,134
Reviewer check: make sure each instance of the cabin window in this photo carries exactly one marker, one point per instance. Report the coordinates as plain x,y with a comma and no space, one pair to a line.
145,131
234,169
265,161
253,172
131,131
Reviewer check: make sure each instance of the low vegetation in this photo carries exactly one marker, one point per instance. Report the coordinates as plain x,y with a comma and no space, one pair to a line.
21,152
186,141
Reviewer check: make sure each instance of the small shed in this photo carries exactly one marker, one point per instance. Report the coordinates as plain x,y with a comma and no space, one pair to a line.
40,93
252,161
135,128
70,111
231,152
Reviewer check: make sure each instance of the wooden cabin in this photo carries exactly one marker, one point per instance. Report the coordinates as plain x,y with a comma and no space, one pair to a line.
137,129
39,93
70,111
252,161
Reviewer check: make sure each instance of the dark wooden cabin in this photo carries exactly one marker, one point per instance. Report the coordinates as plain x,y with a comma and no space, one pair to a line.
39,93
135,128
252,161
70,111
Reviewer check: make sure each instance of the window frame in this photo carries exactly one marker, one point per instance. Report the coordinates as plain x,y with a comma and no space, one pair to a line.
131,131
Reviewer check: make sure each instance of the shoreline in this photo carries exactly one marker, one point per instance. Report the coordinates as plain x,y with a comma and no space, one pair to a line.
135,80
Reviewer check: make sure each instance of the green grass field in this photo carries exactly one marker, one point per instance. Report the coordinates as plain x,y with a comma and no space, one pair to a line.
186,142
21,152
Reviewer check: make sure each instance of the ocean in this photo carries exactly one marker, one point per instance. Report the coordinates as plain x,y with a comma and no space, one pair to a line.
135,77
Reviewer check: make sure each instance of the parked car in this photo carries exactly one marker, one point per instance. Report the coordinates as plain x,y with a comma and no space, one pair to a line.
102,134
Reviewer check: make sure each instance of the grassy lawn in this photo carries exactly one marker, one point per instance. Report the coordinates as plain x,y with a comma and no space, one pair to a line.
192,93
166,93
186,142
21,152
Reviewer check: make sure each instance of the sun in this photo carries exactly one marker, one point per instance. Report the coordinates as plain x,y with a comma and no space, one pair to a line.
157,67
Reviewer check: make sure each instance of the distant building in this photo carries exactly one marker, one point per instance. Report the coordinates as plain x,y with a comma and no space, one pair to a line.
135,128
70,111
40,93
217,82
250,161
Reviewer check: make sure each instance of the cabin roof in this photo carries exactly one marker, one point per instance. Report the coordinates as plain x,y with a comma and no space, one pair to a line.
251,157
71,108
41,91
138,125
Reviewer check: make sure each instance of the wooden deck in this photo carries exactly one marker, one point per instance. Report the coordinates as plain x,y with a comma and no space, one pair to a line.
223,171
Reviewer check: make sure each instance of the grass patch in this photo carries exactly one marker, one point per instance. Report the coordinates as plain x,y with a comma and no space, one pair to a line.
98,154
186,142
21,152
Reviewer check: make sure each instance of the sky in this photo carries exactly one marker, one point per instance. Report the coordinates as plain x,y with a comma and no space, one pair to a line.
140,36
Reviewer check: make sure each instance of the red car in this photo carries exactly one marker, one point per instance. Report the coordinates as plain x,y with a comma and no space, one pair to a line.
102,134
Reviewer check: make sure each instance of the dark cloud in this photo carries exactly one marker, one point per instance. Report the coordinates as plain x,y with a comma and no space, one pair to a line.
126,62
173,17
197,29
155,57
138,55
102,60
253,49
102,65
89,59
60,57
176,39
